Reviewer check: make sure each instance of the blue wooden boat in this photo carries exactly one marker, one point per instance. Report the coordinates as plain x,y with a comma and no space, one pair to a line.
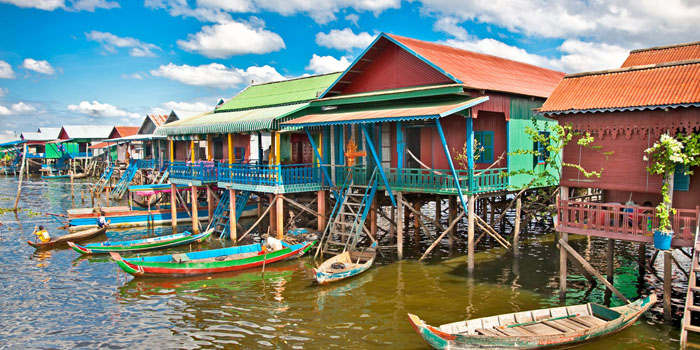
345,265
141,244
55,177
124,217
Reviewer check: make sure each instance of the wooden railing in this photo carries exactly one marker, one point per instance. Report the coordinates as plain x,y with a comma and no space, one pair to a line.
443,182
204,172
270,175
614,220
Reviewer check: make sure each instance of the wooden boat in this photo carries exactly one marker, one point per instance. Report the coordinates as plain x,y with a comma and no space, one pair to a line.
141,244
345,265
72,237
211,261
55,177
554,327
124,216
80,176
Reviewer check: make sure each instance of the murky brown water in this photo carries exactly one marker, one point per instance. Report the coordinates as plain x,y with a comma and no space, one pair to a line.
56,299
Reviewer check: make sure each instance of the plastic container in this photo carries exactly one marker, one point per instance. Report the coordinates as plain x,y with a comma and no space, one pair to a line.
662,240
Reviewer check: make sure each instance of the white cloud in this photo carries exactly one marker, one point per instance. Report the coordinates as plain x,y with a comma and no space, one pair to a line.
217,75
352,18
320,11
636,23
75,5
6,71
451,26
3,91
43,67
233,38
17,108
7,135
187,106
110,42
97,109
344,39
327,64
136,76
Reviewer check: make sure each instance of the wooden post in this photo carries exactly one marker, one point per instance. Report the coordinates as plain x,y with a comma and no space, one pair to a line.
273,214
416,223
470,234
195,211
260,212
516,228
173,206
611,260
172,151
321,203
210,154
668,265
373,218
19,185
438,209
233,224
192,157
562,266
210,203
399,225
280,217
452,207
392,226
641,256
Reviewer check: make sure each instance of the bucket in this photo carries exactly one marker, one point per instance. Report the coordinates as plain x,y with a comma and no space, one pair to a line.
662,240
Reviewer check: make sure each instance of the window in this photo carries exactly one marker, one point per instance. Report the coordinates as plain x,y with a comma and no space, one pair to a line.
485,140
541,148
681,181
239,154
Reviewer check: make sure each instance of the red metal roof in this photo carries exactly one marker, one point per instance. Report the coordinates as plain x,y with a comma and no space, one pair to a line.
665,84
101,145
158,119
123,131
481,71
663,54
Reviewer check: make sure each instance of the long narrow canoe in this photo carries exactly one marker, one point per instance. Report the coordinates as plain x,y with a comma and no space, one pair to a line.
211,261
71,237
123,217
55,177
345,265
554,327
141,244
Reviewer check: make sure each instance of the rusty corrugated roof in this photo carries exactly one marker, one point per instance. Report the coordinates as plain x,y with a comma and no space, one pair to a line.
639,87
663,54
487,72
158,119
126,130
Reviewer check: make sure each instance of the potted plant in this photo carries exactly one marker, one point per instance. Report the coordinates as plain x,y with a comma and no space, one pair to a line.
667,154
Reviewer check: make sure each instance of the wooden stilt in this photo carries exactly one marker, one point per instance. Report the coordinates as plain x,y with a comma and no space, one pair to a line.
273,214
19,185
416,222
260,218
668,269
562,265
641,260
321,203
210,202
233,224
173,206
611,260
516,229
373,218
280,217
392,225
470,234
452,205
260,211
432,246
438,209
399,225
195,211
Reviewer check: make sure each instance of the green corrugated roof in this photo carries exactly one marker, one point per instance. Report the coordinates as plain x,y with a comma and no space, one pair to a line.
229,122
281,92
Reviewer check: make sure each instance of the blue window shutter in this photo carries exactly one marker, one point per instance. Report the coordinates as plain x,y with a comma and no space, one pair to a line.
485,140
681,181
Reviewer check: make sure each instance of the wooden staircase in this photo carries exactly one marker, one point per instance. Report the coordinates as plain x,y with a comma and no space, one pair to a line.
104,180
124,181
222,213
347,220
692,297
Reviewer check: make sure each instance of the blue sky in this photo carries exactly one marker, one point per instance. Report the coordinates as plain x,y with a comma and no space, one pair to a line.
113,62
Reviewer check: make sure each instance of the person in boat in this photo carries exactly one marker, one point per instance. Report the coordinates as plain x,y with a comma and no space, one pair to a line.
102,221
41,233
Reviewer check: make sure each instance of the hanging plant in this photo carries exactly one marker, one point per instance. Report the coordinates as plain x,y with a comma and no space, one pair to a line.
666,154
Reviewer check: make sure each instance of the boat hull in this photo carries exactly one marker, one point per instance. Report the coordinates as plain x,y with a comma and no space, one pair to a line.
71,237
168,268
142,244
444,340
324,274
134,218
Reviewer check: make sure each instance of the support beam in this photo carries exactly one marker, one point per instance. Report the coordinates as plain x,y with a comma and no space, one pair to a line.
280,217
210,202
611,261
273,213
452,211
470,233
379,164
172,152
321,203
210,153
668,285
449,228
373,217
233,224
195,211
260,218
452,166
417,223
324,169
563,244
562,265
399,226
516,229
192,157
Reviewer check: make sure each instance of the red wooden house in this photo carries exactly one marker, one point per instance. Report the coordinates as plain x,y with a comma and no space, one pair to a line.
656,91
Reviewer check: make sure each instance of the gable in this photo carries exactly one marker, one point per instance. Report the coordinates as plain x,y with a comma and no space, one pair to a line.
147,127
385,65
114,134
63,135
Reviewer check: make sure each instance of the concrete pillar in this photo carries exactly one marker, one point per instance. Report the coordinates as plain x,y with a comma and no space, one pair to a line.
470,234
195,211
232,215
173,206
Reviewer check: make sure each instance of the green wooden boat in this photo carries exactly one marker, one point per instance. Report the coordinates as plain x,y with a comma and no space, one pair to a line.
554,327
141,244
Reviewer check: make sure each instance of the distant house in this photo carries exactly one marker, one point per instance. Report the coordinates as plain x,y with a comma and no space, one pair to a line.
656,91
74,141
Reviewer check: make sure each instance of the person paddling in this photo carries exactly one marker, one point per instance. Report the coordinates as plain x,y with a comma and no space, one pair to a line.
41,233
102,221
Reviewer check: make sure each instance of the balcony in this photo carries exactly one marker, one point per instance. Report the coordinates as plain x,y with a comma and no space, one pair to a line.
285,178
194,174
623,222
443,182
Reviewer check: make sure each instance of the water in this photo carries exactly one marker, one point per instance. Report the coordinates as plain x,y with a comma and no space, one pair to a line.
56,299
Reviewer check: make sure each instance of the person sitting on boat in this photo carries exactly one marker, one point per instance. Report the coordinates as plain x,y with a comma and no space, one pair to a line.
102,221
41,233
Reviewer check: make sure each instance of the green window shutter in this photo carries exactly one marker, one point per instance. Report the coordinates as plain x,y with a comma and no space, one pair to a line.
681,181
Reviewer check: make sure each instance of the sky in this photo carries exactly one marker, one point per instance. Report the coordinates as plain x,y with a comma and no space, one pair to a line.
112,62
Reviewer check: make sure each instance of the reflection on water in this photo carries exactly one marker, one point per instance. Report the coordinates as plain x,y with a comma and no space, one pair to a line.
58,299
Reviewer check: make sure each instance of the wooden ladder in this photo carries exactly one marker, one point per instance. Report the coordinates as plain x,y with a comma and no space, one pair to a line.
692,294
